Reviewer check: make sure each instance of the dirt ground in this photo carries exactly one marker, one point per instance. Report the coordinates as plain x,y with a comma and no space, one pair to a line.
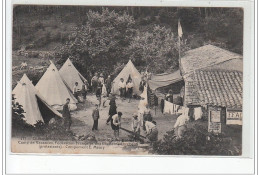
82,119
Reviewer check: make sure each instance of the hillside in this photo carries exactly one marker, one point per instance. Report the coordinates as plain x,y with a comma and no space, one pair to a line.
104,38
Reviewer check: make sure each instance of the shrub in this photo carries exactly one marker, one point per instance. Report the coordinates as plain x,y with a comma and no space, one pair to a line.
18,123
195,141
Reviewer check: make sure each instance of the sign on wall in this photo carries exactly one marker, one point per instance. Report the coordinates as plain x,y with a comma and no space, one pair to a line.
234,117
214,120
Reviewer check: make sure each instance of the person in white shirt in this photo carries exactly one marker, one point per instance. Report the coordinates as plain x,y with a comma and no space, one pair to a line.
129,89
122,86
180,125
151,131
116,123
76,91
136,123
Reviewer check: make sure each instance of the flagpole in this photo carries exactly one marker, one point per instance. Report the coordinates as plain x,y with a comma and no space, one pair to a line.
179,50
179,38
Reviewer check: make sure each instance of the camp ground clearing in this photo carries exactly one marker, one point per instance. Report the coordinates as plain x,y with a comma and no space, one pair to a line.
191,84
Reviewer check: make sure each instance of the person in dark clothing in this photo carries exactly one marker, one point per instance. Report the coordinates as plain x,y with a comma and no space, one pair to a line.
95,116
66,115
94,83
142,84
191,114
112,109
169,96
108,83
162,105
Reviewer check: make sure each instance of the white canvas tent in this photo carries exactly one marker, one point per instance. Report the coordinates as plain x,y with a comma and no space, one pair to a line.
54,89
34,105
128,70
71,75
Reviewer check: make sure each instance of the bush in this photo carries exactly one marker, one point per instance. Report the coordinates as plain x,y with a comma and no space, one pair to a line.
196,141
54,131
18,123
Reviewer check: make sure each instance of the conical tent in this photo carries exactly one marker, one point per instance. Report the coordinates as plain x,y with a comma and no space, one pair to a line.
128,71
33,103
54,89
71,75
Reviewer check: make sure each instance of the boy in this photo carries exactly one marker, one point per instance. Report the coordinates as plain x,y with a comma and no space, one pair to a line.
95,116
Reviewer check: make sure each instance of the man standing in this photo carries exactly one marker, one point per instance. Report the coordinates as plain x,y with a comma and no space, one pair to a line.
122,86
95,116
129,88
76,90
116,123
112,108
151,131
94,82
66,115
108,83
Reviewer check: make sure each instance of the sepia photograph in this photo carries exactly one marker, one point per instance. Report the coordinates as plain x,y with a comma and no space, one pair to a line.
127,80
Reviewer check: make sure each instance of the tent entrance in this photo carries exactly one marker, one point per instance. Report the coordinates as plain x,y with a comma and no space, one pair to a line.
46,112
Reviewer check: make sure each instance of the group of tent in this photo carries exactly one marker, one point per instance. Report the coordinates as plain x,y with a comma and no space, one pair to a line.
42,101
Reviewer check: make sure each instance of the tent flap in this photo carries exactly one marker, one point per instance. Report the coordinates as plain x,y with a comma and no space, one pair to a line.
165,79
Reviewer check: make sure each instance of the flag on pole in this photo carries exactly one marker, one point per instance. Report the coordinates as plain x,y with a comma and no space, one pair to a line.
179,29
179,38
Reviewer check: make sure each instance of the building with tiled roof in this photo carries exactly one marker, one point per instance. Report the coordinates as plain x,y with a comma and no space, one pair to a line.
214,82
206,57
216,88
213,76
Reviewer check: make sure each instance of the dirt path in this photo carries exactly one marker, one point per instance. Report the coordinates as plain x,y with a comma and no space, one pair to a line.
82,119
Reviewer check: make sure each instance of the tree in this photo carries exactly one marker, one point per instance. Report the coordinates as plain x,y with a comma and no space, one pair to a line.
157,49
101,42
